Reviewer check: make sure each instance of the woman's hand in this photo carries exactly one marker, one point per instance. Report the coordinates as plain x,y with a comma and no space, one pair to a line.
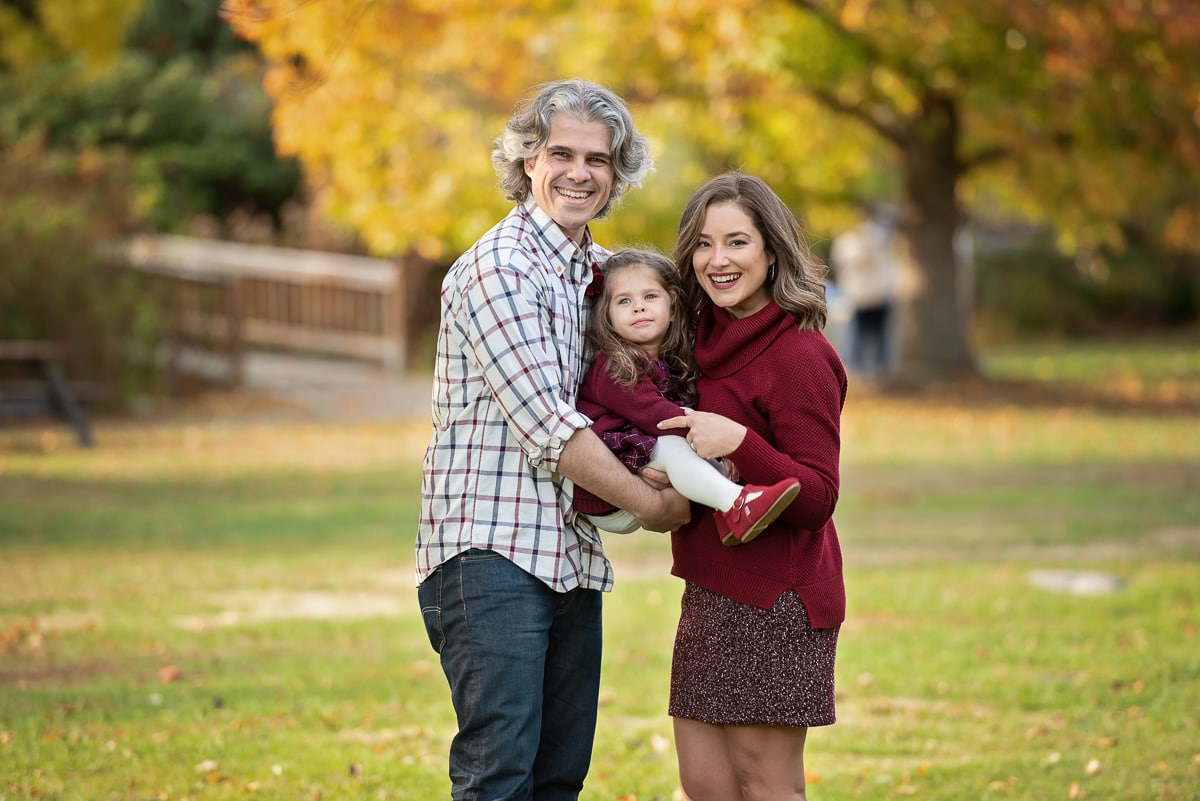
710,435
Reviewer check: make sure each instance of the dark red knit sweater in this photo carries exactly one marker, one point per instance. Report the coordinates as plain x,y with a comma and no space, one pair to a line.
613,407
788,388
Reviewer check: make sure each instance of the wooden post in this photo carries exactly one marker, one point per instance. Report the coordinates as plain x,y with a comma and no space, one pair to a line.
235,326
64,401
59,398
393,307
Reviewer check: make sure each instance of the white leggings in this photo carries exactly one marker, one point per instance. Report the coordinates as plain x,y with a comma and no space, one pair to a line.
692,476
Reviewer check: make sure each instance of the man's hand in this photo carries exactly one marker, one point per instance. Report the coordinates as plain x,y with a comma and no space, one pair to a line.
676,511
589,463
655,478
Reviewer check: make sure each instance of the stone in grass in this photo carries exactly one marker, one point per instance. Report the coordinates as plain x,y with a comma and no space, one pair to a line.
1076,582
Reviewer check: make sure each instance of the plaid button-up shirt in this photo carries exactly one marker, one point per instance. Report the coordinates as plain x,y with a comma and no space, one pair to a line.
510,356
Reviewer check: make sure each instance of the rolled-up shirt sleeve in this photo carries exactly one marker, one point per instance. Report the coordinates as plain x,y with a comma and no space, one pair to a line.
510,356
508,326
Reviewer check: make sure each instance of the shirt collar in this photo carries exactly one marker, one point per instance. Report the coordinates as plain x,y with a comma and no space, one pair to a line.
560,243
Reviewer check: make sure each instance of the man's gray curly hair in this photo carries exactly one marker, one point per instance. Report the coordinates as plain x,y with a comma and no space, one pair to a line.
526,133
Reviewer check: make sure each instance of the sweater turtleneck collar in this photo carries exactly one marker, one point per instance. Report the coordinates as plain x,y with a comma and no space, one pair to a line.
725,344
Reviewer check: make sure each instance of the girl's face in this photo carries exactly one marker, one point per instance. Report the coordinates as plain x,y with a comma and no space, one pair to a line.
731,261
639,307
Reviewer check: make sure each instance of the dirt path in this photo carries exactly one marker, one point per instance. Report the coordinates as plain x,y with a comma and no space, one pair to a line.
327,389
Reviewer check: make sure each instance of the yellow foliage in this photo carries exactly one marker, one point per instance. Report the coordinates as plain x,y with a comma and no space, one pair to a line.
91,30
20,43
392,105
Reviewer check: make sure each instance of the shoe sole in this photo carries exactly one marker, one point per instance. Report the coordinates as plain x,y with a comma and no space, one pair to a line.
781,503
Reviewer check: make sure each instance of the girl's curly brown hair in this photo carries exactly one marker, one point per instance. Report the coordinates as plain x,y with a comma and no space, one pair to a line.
628,362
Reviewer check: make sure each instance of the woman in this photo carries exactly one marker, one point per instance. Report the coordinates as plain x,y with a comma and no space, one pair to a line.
642,373
753,666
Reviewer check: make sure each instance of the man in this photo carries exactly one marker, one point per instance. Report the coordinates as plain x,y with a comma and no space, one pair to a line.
509,577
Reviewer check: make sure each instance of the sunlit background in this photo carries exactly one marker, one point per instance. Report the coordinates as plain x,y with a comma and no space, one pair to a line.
1059,142
222,231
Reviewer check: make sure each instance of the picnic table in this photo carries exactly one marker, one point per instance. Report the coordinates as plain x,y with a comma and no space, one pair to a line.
53,395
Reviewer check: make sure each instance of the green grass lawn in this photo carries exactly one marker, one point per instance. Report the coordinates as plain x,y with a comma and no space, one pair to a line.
221,607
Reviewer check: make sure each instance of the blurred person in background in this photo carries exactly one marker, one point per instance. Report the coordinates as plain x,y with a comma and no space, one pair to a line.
867,272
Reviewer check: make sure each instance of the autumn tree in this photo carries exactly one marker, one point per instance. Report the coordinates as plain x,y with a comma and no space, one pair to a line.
1077,114
1082,115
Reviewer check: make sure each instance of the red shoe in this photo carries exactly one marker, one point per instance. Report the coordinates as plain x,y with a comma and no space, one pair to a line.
755,509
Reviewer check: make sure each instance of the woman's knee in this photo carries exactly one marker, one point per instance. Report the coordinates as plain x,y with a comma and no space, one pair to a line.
705,770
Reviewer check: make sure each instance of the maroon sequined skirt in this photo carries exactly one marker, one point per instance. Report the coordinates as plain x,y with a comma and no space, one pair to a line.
738,665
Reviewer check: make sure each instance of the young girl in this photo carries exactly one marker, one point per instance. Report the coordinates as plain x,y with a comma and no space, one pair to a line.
642,374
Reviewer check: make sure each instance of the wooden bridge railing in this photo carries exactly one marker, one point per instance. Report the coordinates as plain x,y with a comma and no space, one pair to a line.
225,297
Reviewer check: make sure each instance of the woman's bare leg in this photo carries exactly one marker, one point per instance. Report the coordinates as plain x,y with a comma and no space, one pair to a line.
705,769
768,761
740,763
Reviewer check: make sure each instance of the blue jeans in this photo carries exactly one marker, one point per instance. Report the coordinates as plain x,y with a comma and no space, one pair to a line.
523,663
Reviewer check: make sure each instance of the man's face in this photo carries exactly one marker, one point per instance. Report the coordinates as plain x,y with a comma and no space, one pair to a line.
573,176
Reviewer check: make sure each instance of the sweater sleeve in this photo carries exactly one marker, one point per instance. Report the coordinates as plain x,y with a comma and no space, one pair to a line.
801,435
641,404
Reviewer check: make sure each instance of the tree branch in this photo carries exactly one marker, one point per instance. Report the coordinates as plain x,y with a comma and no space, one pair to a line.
876,112
889,130
989,155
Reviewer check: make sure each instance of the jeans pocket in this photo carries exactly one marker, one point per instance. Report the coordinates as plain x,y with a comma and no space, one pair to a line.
429,596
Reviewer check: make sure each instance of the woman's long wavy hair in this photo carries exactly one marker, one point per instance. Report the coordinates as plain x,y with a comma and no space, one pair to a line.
628,362
527,131
798,285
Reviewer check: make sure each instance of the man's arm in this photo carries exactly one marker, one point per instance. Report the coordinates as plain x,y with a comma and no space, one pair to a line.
587,461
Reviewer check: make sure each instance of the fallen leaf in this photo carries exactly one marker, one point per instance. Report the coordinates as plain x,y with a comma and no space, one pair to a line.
169,673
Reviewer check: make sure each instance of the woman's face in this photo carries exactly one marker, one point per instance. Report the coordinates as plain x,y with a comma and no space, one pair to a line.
730,260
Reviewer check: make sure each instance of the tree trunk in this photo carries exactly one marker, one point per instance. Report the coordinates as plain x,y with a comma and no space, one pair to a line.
931,324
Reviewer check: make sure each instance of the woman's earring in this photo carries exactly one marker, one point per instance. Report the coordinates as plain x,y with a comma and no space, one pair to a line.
771,271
